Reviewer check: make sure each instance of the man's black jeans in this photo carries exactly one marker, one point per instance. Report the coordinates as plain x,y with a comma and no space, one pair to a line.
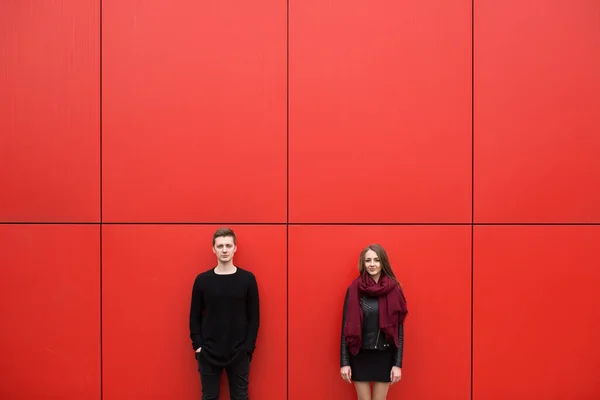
237,375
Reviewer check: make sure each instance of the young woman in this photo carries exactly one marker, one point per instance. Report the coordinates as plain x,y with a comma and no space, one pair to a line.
373,327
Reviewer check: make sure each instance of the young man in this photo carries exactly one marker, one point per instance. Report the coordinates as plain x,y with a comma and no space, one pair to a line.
224,320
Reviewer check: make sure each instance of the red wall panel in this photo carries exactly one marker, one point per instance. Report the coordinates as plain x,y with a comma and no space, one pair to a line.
434,265
380,111
194,111
536,306
49,111
536,88
50,308
148,273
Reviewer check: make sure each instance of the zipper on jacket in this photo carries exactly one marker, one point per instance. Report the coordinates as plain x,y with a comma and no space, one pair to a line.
377,341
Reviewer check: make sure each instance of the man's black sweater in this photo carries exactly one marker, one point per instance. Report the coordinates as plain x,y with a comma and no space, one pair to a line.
224,315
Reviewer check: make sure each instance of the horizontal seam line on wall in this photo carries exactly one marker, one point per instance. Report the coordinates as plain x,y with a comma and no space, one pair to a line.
311,223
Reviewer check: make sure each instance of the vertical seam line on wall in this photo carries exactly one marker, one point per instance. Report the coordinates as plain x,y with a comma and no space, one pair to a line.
472,191
100,126
287,212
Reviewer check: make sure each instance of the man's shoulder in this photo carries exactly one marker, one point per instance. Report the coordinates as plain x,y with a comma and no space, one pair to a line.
244,273
205,274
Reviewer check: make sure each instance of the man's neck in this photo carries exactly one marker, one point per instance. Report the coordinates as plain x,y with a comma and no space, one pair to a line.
225,269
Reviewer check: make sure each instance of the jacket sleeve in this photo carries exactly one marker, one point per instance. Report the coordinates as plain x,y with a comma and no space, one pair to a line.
400,349
344,356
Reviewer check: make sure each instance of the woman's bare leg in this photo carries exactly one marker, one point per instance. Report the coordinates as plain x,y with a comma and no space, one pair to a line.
363,390
380,390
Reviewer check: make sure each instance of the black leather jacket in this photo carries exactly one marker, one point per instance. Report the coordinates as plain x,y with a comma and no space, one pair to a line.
372,336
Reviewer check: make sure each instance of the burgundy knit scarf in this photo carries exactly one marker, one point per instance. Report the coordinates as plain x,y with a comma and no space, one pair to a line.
392,308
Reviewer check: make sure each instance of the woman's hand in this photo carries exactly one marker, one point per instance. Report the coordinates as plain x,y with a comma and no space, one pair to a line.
346,373
395,374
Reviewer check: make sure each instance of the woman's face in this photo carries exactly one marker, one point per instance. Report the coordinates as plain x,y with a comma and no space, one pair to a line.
372,264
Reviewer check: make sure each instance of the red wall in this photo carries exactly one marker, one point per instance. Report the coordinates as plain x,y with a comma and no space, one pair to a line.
130,131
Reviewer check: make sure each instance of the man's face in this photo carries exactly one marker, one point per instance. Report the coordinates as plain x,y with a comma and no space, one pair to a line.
224,248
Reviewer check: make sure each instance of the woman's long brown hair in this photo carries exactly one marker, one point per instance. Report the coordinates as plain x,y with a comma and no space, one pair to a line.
386,268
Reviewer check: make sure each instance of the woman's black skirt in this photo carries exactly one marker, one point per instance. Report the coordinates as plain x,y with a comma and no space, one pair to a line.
372,365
